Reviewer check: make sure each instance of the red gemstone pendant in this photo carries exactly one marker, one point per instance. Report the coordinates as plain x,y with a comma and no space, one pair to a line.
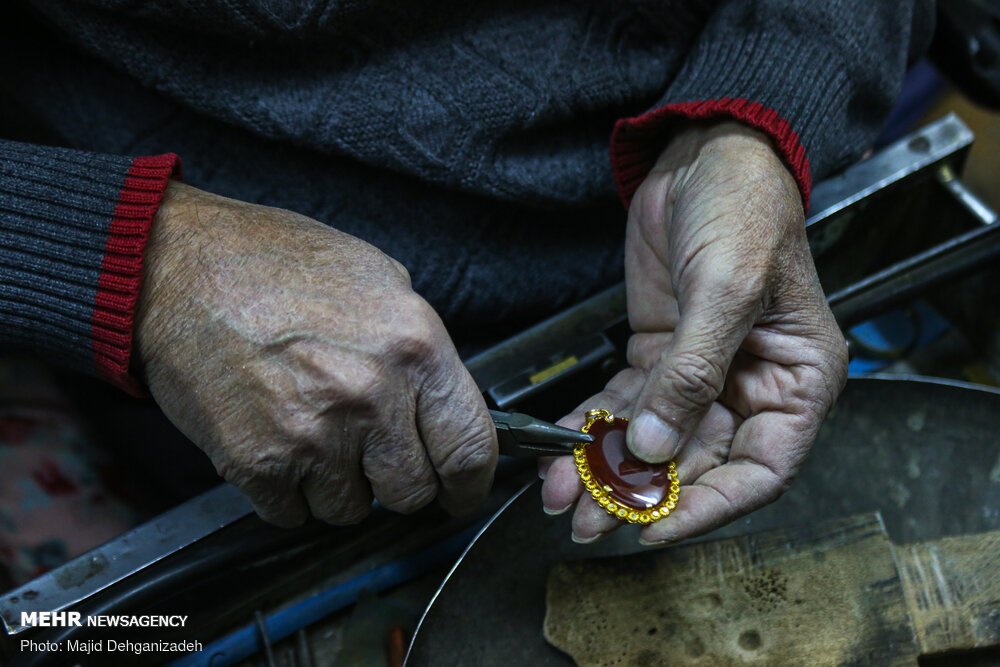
627,488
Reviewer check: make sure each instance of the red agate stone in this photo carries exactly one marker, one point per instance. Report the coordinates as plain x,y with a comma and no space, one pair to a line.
629,481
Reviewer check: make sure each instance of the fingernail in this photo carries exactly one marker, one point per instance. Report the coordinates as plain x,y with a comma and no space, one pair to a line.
586,540
552,512
651,439
654,543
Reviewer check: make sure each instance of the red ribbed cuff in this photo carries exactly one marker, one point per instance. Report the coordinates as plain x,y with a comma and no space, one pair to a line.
637,142
121,270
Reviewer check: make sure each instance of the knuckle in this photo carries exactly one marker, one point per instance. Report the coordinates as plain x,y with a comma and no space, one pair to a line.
362,382
267,477
267,463
641,352
782,482
414,497
306,418
273,504
356,390
415,344
300,425
469,458
416,332
229,469
387,446
814,407
810,409
332,497
251,468
696,381
402,270
396,463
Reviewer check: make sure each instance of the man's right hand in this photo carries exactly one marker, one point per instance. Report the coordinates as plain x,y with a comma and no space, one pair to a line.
302,362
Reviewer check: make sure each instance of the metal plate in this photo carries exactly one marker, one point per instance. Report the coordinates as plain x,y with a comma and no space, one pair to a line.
924,453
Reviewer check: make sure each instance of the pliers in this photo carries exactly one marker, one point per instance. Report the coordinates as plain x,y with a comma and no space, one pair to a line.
521,435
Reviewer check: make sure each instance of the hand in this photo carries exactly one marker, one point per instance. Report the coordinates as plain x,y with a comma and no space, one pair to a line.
736,358
301,361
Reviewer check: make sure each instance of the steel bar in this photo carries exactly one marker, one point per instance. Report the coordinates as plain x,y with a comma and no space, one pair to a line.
901,282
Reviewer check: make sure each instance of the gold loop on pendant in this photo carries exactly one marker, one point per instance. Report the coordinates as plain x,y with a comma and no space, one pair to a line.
599,413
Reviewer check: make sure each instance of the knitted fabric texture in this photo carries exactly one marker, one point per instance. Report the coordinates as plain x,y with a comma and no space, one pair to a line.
470,141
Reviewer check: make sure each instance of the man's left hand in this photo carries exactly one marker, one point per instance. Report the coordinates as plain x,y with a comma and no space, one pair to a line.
736,357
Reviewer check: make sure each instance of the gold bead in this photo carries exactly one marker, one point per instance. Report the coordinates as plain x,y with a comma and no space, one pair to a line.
670,505
595,493
655,514
585,476
673,497
632,516
622,512
611,507
604,501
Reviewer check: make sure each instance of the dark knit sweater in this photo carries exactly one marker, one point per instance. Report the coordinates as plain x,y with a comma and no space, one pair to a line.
470,141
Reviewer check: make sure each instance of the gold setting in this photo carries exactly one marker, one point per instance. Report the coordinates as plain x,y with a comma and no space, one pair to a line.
601,493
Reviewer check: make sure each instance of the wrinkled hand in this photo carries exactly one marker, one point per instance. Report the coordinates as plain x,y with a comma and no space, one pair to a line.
736,358
301,361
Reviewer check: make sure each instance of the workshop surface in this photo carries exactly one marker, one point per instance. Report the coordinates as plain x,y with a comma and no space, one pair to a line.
822,594
923,454
833,593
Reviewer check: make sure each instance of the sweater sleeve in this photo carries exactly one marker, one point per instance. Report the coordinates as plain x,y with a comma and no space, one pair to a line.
818,77
73,231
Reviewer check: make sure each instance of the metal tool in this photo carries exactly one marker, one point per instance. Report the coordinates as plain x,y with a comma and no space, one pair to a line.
521,435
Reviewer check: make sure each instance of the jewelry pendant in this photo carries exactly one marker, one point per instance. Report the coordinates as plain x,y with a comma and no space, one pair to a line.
627,488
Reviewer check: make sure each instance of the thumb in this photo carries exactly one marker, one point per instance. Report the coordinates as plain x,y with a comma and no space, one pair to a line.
686,379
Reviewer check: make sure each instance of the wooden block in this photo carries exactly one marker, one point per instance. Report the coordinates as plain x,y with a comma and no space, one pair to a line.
821,595
952,588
